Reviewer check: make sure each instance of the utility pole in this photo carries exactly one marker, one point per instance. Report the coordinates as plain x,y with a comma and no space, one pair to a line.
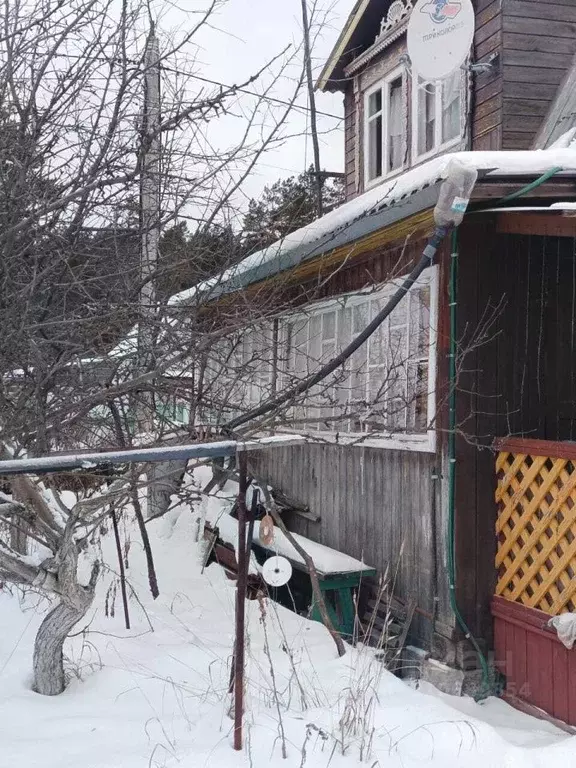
149,218
312,102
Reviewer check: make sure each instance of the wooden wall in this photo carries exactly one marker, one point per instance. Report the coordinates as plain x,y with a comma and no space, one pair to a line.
372,501
539,670
375,504
519,379
350,130
486,98
536,40
539,43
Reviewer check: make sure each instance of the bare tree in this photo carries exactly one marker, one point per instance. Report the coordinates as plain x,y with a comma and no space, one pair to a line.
72,154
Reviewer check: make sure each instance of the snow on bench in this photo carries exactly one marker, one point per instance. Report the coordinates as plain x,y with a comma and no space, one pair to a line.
327,561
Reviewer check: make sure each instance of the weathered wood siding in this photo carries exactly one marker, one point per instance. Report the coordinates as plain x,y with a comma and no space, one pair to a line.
536,41
485,126
350,130
486,100
372,500
539,43
539,670
376,504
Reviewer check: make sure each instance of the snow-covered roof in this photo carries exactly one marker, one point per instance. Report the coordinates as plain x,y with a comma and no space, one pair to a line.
342,225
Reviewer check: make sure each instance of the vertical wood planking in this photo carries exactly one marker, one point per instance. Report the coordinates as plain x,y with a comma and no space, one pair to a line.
560,682
534,658
485,518
519,381
538,669
469,274
517,649
369,500
571,677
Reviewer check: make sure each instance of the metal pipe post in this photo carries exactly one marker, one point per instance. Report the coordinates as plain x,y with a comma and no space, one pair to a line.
121,567
240,604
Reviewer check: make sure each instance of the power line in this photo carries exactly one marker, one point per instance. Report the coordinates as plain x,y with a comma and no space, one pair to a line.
273,99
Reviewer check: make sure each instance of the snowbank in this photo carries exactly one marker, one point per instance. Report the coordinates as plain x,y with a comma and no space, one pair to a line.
143,698
325,559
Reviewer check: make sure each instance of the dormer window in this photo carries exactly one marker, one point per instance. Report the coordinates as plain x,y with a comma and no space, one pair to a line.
385,127
437,110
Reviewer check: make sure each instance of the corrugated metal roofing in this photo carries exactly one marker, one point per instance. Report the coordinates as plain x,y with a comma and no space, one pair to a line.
393,200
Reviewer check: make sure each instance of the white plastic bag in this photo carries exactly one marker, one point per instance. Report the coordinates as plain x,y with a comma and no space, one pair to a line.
565,626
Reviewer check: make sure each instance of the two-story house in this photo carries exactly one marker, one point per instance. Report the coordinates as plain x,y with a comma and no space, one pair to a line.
442,453
517,92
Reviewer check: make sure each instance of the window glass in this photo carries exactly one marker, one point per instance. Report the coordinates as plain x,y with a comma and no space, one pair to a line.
438,113
426,118
385,129
451,107
395,125
382,388
375,148
375,103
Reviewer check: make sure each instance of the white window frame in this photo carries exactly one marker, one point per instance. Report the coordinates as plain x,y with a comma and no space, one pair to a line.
384,87
425,442
439,146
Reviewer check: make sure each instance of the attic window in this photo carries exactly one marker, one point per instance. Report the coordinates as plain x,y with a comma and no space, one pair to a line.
438,108
385,127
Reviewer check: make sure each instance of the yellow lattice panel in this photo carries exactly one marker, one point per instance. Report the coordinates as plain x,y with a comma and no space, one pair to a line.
536,531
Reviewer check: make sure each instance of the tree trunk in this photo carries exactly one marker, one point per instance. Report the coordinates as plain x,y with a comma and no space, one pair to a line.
48,648
75,600
18,539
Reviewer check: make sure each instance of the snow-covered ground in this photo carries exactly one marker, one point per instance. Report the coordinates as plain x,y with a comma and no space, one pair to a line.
143,698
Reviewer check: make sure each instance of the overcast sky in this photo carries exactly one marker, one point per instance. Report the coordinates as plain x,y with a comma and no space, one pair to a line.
243,36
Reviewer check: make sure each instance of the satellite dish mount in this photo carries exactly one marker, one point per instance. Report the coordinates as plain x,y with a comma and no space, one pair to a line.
483,67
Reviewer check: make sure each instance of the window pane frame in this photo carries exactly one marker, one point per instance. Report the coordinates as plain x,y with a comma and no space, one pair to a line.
382,117
419,88
411,400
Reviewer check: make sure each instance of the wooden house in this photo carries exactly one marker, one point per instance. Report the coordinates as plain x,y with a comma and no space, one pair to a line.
462,485
519,93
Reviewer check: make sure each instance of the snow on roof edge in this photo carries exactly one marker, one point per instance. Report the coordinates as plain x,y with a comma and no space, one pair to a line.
385,195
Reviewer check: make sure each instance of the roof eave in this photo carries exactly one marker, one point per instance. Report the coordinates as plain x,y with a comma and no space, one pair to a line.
324,82
416,203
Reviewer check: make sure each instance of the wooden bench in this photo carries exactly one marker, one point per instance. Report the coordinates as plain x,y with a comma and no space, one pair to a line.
340,575
339,590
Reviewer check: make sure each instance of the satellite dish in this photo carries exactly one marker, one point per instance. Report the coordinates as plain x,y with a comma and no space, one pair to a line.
440,36
277,571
